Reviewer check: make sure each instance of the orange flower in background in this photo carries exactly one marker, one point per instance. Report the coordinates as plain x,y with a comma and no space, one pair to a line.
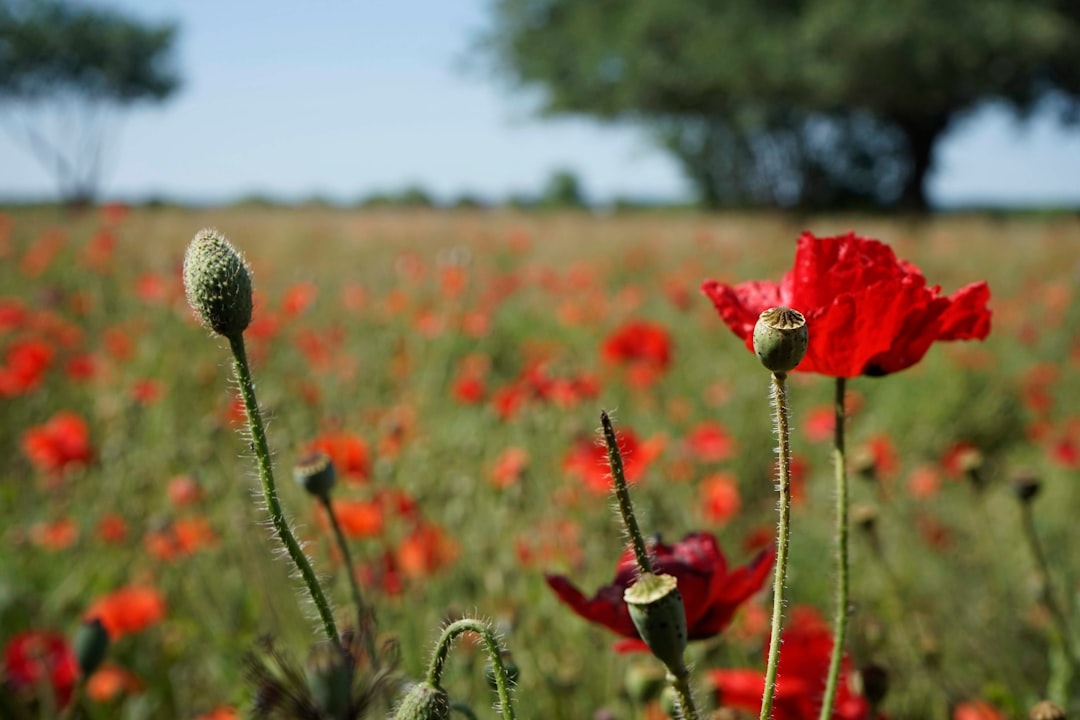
425,550
357,518
147,391
719,498
509,467
58,535
180,538
349,454
643,348
977,710
112,529
222,712
184,491
128,610
60,443
298,299
111,681
587,460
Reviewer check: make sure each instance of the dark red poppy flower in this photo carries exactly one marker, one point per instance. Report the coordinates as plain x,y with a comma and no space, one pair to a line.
37,657
710,593
804,663
868,313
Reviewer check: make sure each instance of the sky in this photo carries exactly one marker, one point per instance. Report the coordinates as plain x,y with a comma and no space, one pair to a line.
343,98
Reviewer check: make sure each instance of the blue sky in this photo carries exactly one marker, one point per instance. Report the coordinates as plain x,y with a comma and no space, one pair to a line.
345,97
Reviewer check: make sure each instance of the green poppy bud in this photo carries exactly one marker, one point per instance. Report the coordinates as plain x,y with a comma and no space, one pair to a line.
218,283
91,642
656,608
424,702
780,339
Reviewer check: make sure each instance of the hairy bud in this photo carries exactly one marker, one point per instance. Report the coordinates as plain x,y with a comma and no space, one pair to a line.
218,283
424,702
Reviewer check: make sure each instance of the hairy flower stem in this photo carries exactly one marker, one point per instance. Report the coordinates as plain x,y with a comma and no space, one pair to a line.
1068,658
783,450
622,496
843,580
442,650
681,684
364,612
266,474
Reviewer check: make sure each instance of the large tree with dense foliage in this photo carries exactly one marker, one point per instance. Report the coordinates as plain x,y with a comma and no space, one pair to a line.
66,68
793,102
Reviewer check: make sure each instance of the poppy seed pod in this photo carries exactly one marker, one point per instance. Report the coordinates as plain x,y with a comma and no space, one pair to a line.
315,473
424,702
780,339
218,283
1046,710
656,608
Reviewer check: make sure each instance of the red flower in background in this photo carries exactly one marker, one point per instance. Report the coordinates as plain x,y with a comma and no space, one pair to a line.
977,710
710,442
588,460
37,657
25,364
868,313
348,452
710,593
62,442
804,662
128,610
643,348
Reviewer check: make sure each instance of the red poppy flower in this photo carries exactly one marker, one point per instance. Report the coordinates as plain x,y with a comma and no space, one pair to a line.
62,442
128,610
867,312
643,348
804,662
977,710
35,657
710,442
719,498
358,518
25,366
710,593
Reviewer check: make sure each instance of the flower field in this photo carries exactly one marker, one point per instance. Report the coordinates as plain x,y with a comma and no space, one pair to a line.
453,367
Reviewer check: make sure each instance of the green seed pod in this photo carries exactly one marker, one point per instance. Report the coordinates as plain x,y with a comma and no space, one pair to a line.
218,283
91,642
315,473
424,702
329,678
780,339
656,607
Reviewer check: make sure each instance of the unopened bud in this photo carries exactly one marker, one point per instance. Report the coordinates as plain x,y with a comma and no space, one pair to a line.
91,642
218,283
873,680
780,339
656,607
1026,486
424,702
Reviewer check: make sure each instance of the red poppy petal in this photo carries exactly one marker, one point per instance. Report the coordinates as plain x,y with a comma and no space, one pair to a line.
732,589
967,317
740,306
605,608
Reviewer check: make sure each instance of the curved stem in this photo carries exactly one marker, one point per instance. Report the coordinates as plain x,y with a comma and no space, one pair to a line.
622,495
363,611
442,650
266,474
783,450
843,580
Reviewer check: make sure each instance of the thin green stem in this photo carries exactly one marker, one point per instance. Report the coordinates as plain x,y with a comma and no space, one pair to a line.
442,651
266,474
1048,596
364,613
779,398
843,579
681,684
622,496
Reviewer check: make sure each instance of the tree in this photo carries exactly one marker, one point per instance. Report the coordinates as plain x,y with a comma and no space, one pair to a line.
563,191
792,102
66,69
